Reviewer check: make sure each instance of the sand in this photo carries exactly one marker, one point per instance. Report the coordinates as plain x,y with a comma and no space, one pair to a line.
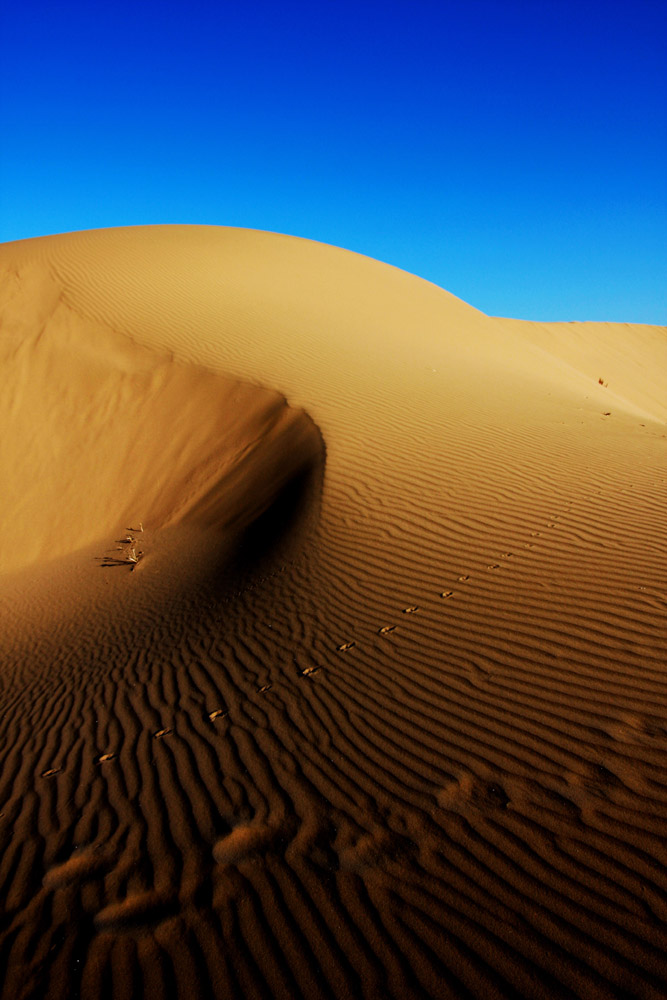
380,709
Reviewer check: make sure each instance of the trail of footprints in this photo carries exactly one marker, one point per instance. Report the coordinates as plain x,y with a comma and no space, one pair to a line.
342,647
213,716
310,671
465,577
447,594
146,909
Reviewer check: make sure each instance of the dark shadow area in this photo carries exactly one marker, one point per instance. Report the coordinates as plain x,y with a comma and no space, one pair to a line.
279,533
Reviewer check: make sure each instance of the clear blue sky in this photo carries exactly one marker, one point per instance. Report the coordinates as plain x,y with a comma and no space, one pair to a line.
512,151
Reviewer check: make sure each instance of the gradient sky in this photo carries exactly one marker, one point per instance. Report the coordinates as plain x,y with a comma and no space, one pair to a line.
512,151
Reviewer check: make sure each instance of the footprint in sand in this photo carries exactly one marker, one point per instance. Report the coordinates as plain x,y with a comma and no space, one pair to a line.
219,713
309,671
535,534
411,610
445,594
345,645
386,629
267,687
50,773
463,579
494,566
162,732
105,757
506,555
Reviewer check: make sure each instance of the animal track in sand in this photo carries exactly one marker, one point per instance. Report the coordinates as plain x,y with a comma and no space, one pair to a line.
463,578
448,594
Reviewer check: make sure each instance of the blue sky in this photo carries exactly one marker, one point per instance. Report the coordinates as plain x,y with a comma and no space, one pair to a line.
512,151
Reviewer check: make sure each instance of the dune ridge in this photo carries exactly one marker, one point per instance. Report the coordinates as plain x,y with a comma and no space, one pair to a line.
114,430
404,734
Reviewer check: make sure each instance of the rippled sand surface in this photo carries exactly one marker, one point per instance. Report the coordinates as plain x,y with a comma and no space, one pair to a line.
333,631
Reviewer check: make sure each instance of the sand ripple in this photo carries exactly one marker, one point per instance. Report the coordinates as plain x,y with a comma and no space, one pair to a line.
391,728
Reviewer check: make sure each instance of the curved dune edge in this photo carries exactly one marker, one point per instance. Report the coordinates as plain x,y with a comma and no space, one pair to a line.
101,433
421,751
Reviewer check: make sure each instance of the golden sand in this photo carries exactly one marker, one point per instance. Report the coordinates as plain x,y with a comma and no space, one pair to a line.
332,631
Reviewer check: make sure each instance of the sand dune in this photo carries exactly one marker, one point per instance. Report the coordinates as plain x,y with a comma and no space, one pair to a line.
382,709
110,430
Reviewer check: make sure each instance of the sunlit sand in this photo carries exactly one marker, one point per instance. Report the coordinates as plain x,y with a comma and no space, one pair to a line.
332,630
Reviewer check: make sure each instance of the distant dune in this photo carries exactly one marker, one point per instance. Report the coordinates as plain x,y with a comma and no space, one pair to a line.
333,631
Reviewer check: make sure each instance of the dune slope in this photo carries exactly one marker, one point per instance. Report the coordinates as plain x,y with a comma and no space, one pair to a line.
395,726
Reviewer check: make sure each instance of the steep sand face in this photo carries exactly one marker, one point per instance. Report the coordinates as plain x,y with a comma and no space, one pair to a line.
100,434
407,735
